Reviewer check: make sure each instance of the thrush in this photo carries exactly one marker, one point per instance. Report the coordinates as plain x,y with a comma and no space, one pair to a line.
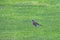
36,24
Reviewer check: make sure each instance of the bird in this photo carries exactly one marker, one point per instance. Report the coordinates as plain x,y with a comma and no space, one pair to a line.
36,24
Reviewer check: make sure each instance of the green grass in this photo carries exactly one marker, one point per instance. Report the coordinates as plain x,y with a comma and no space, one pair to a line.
15,20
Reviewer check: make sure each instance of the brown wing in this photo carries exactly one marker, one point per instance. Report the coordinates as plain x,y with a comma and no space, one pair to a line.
35,23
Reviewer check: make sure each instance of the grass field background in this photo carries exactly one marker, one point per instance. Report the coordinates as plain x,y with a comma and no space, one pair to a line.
16,16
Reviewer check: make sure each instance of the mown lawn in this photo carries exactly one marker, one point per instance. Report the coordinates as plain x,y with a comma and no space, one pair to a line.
15,20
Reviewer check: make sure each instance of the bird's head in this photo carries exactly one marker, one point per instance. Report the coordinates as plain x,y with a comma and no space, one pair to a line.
33,20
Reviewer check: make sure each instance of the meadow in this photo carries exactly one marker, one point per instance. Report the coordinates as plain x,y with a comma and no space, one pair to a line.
16,19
